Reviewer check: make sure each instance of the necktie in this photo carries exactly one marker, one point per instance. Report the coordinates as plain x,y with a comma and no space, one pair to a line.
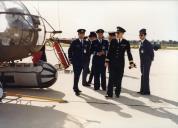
82,42
141,42
100,40
119,41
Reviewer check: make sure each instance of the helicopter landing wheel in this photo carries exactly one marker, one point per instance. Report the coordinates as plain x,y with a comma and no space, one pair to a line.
1,92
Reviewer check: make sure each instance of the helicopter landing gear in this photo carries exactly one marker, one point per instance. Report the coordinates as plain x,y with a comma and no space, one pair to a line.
2,94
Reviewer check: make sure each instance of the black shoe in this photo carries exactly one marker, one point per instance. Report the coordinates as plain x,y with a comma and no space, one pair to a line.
104,88
96,89
139,92
144,93
86,85
147,93
117,95
77,90
108,96
77,93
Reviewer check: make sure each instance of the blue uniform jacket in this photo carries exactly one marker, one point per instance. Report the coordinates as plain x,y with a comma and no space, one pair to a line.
146,52
78,53
96,47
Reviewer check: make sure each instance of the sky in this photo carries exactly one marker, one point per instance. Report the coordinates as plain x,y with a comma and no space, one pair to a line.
160,18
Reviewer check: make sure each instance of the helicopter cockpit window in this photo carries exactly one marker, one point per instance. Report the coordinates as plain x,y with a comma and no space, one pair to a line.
18,26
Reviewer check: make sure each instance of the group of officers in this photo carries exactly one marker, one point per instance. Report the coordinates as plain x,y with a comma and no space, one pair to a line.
108,54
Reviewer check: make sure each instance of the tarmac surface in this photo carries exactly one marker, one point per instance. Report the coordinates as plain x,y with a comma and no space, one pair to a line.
91,109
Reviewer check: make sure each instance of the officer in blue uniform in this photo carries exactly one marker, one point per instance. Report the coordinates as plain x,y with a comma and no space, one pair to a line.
92,37
116,62
112,35
99,49
79,55
146,57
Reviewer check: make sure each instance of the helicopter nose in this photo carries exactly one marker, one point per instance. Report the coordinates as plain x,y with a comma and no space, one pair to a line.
48,75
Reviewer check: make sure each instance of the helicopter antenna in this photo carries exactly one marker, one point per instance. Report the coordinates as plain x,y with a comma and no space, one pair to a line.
58,14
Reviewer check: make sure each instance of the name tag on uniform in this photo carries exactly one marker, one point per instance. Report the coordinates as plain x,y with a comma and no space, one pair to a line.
103,47
85,51
142,51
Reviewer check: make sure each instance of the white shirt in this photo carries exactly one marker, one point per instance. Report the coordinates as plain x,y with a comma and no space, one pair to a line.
119,40
141,42
100,40
81,40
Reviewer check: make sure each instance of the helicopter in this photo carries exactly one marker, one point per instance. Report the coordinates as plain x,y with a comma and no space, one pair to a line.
23,34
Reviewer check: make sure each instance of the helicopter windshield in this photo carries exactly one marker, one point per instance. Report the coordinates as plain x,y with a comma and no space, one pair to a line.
19,27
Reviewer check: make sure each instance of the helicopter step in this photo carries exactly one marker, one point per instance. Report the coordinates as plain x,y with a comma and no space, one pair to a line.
28,75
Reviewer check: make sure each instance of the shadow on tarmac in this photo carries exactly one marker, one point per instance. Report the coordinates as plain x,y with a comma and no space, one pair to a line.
27,116
135,104
101,104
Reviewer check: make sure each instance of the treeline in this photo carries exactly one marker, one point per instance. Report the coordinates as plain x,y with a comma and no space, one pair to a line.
159,44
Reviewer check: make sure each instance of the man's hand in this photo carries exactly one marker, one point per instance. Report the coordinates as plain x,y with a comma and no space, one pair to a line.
100,53
132,65
106,64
